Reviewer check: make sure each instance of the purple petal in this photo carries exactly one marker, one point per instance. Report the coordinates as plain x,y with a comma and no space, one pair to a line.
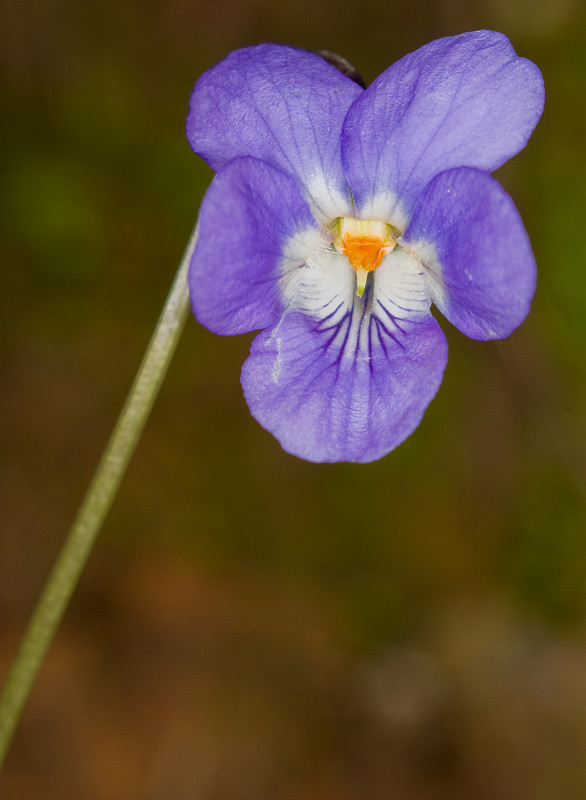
349,391
248,238
460,101
469,235
281,105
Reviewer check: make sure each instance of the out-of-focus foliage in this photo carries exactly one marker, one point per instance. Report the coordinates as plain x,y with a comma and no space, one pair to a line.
250,625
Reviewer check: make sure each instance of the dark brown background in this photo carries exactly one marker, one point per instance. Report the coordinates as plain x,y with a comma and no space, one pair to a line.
250,626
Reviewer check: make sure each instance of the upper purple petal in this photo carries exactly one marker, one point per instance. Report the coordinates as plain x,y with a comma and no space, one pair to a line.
465,100
247,217
469,236
349,390
279,104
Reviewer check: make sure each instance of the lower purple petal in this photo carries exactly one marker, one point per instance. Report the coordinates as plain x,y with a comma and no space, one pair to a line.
470,237
351,391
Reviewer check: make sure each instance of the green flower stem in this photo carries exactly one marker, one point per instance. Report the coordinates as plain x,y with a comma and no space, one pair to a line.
99,498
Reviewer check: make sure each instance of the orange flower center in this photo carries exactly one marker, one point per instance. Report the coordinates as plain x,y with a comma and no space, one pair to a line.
364,242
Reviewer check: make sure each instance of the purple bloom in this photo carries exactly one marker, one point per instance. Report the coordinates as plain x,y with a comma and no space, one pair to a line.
339,215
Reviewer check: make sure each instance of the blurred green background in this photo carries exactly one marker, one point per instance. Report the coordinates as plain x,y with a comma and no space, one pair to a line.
251,626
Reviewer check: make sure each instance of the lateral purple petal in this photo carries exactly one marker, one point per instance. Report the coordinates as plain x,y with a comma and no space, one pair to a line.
247,216
279,104
481,271
465,100
327,398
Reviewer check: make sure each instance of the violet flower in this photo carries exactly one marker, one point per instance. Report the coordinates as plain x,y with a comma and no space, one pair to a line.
339,215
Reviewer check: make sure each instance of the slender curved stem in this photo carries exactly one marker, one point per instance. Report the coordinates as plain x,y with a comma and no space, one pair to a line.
69,565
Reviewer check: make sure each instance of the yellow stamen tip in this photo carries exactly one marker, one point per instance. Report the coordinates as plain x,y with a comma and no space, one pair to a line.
361,278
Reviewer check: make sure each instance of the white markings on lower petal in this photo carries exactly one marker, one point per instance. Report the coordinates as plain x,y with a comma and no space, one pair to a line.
326,282
315,281
432,270
314,274
302,248
323,287
400,286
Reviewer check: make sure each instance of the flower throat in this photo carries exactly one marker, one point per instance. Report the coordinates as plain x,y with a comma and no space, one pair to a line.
364,242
